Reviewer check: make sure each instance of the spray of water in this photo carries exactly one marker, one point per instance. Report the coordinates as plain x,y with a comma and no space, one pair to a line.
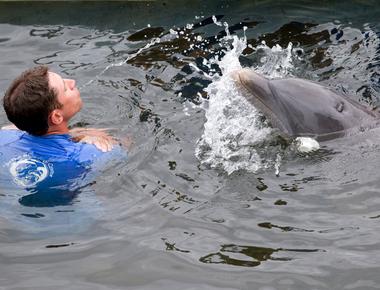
234,128
121,63
275,62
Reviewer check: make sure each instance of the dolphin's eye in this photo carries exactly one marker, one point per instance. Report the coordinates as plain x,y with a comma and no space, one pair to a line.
340,107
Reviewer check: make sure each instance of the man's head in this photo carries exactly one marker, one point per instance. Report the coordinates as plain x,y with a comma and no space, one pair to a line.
40,101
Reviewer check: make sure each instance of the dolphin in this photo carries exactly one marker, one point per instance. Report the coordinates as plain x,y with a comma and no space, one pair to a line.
300,107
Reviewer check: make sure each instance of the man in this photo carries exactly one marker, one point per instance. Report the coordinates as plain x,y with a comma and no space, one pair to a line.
38,151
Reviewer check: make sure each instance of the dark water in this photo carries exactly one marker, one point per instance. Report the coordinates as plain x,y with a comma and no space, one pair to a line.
165,220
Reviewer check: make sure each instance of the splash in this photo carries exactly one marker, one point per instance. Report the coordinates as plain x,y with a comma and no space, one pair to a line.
121,63
234,131
275,62
233,126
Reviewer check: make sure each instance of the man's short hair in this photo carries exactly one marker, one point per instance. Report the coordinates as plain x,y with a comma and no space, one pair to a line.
29,101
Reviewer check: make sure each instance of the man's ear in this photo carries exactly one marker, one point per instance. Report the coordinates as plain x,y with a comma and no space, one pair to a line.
56,117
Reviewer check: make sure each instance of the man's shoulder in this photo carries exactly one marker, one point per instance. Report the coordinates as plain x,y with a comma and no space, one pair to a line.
9,136
16,142
55,147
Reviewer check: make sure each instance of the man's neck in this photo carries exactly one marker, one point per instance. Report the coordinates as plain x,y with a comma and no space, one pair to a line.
61,129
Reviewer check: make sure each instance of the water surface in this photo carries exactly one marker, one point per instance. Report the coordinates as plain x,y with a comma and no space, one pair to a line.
186,212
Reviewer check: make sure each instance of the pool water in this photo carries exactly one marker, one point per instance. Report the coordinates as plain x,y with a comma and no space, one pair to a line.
211,197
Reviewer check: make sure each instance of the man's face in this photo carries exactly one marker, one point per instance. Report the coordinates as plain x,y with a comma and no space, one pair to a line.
67,93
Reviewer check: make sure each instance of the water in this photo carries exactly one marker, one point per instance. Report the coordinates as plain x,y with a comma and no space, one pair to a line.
211,197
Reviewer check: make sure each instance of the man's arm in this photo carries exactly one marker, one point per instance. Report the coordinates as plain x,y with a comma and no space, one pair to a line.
98,137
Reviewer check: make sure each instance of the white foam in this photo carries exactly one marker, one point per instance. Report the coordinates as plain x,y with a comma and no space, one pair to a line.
306,144
277,164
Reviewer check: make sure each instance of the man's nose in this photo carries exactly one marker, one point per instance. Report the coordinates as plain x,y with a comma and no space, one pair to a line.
70,83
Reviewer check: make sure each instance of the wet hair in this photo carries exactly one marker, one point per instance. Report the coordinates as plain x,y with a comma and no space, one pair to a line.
29,100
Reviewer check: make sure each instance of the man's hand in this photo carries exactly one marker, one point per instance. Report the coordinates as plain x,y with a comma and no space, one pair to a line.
97,137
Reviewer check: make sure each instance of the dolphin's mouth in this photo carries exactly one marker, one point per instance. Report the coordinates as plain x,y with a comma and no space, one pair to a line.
257,97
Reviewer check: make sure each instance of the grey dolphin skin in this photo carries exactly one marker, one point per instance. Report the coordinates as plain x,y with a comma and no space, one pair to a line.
302,108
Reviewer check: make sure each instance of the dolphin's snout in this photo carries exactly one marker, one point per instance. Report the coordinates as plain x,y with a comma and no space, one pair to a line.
235,75
247,77
254,83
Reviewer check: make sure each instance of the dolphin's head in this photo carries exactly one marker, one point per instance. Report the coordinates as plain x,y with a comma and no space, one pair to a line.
256,90
299,107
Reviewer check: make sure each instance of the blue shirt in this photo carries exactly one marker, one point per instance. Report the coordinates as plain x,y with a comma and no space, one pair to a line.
52,168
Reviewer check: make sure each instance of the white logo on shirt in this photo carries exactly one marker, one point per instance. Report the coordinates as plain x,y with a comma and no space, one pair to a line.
28,172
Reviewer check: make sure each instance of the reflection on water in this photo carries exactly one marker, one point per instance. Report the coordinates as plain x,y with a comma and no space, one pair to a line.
170,217
258,255
48,198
